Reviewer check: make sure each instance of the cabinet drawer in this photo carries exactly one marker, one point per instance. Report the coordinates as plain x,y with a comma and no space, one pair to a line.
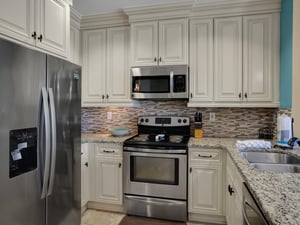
212,155
108,150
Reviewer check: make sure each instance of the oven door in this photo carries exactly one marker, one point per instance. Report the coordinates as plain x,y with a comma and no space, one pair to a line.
155,175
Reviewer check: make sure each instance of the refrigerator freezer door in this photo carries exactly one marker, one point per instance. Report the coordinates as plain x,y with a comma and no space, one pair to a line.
22,74
63,205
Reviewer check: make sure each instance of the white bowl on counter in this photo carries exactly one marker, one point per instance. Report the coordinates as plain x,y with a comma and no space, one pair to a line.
119,131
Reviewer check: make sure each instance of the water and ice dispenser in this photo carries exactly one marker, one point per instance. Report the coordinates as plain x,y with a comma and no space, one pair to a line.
22,151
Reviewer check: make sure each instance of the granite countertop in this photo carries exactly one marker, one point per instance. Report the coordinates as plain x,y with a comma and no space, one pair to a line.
278,194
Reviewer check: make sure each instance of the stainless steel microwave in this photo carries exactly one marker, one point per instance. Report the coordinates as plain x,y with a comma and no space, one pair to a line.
159,82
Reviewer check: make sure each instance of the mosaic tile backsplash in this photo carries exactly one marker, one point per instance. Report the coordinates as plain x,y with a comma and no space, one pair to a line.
229,122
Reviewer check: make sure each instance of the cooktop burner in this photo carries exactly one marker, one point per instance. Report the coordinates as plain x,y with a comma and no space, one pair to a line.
161,131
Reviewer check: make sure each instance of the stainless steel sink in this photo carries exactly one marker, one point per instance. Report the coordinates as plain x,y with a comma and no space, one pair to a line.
284,168
270,157
272,161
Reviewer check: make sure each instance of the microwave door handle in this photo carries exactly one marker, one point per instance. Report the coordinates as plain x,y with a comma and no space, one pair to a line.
171,83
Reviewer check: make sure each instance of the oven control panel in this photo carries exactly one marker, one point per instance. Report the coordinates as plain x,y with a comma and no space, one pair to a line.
168,121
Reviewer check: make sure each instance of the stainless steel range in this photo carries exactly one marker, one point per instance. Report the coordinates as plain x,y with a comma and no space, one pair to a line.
155,168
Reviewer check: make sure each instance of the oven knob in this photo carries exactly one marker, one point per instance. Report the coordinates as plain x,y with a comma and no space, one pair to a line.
142,120
184,121
147,120
179,120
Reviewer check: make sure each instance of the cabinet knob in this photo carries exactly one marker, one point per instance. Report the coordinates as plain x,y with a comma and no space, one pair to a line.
246,95
240,95
40,38
191,95
107,96
103,96
33,35
230,189
120,164
191,169
155,59
86,164
160,59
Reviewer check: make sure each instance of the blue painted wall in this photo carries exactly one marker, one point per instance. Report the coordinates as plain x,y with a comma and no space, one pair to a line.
286,47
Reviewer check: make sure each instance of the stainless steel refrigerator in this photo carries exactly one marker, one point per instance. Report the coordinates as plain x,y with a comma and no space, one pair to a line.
40,98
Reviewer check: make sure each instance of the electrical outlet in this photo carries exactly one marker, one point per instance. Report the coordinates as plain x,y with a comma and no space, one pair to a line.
109,115
212,116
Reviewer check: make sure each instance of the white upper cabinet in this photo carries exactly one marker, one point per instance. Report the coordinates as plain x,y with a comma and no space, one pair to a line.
117,82
53,26
93,66
144,43
75,45
257,58
246,60
42,23
163,42
17,19
228,59
105,67
201,60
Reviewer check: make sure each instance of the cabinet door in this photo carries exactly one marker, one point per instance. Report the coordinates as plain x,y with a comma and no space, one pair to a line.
17,19
257,57
234,215
144,43
173,42
84,175
53,26
74,45
228,59
93,67
201,60
117,82
108,180
205,189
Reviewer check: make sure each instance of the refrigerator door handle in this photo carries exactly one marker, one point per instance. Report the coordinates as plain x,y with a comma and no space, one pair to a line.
53,140
44,177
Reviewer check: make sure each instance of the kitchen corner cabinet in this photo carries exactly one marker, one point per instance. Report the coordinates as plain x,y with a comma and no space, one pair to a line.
246,59
234,197
44,24
105,67
201,61
163,42
106,171
84,175
206,185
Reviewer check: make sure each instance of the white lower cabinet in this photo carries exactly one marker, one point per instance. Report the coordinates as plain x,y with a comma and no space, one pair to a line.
84,176
206,185
106,177
234,197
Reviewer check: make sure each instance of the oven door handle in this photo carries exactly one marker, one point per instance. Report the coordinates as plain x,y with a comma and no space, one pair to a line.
148,150
154,202
147,154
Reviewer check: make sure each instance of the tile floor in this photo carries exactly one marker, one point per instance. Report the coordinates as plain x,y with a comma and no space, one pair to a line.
95,217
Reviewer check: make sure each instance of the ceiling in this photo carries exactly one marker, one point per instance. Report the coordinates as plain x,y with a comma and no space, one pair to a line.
93,7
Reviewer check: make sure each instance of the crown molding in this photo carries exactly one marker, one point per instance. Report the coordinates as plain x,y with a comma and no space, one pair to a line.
104,20
70,2
235,8
160,11
75,18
